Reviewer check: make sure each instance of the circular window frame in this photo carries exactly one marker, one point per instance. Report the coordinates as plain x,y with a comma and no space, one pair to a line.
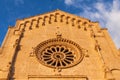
61,42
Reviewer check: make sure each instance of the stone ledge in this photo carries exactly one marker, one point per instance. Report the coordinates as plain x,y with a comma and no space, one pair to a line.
81,77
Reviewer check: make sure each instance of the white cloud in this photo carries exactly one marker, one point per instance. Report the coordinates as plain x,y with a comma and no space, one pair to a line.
108,14
111,17
73,2
69,2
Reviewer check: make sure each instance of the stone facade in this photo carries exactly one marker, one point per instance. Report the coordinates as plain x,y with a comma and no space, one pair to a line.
58,46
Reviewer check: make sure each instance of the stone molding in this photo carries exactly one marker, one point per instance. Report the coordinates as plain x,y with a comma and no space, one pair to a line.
54,17
59,53
81,77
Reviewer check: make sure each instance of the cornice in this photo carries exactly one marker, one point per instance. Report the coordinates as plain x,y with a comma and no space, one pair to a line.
54,17
55,11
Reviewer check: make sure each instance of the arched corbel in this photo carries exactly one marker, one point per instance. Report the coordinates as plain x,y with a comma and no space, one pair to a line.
78,22
32,23
39,21
50,20
85,27
37,25
30,27
44,19
56,16
62,18
21,27
25,24
73,23
67,19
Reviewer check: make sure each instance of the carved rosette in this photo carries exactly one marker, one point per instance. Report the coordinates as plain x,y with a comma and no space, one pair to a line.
59,53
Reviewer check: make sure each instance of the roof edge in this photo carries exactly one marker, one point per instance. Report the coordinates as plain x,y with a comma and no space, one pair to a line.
55,11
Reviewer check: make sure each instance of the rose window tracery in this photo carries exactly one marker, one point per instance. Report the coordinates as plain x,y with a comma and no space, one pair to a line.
59,53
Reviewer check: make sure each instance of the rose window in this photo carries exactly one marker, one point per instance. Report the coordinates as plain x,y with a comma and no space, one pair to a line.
58,53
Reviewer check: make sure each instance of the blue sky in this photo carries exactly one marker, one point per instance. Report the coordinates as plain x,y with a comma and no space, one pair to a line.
107,12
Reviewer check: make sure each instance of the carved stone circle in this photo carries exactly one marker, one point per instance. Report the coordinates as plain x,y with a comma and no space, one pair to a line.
59,53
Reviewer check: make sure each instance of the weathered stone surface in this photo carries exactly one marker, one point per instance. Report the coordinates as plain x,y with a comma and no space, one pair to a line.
68,47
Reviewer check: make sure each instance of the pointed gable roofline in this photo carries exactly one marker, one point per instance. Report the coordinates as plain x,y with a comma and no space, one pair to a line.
55,11
54,16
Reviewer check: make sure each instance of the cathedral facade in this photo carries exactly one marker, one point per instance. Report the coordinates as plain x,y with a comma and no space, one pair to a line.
58,46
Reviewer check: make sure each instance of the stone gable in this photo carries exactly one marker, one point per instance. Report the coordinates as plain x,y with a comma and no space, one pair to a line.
58,46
